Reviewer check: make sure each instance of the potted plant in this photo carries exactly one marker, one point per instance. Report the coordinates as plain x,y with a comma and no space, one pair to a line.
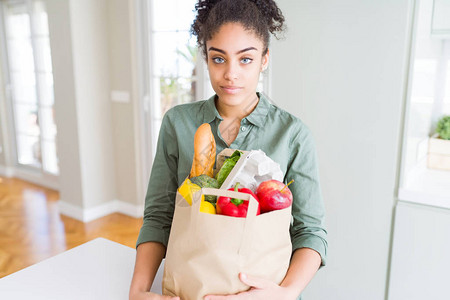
439,146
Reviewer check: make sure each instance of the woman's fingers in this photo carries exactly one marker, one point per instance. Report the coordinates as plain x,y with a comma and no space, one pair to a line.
258,285
217,297
255,282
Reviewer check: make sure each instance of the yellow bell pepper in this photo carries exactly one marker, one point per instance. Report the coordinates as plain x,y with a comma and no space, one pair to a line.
207,207
187,189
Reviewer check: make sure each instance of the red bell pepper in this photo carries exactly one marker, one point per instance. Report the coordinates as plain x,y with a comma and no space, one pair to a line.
235,207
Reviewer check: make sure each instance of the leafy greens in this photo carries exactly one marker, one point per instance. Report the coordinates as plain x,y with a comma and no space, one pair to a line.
227,166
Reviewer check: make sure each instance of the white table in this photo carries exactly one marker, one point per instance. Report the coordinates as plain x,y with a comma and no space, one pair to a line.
99,269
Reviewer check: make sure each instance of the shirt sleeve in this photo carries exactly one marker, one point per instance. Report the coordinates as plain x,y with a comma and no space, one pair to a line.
307,227
162,187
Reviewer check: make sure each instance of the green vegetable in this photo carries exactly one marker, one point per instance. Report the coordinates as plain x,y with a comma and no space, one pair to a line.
205,181
443,128
227,166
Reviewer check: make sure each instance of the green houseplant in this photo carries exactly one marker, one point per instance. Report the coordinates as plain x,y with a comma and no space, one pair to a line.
439,146
443,128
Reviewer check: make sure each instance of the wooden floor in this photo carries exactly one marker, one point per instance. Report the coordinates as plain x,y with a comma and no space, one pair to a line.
31,228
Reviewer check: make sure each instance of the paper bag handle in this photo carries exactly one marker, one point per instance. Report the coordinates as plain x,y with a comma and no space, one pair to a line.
246,239
252,202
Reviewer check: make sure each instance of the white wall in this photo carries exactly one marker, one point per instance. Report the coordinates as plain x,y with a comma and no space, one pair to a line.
66,116
89,25
93,50
80,51
341,70
120,28
2,120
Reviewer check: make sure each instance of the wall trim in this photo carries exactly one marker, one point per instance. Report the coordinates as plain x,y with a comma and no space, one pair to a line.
6,171
44,180
89,214
131,210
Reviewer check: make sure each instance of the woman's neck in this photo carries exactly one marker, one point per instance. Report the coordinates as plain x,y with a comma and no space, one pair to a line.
238,111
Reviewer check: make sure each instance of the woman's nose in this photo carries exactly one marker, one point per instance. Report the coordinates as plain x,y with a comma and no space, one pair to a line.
231,73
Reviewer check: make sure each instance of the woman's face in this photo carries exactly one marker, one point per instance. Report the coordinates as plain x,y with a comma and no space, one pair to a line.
235,60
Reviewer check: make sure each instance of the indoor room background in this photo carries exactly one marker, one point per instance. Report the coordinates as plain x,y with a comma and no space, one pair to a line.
84,85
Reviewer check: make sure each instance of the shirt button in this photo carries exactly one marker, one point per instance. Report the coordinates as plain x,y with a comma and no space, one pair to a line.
243,128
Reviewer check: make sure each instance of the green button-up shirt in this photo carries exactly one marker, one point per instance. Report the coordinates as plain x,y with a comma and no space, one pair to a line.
283,137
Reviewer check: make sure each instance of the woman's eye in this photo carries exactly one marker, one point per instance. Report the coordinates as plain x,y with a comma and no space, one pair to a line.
218,60
246,60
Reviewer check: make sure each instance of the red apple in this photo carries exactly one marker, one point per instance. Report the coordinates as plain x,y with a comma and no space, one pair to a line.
273,195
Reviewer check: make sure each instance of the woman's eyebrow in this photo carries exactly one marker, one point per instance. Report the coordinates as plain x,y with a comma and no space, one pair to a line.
246,49
239,52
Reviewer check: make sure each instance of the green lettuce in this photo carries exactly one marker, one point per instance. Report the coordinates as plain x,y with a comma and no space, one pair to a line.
227,166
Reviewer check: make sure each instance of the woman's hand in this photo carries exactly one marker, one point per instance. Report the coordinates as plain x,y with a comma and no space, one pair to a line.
148,258
259,289
150,296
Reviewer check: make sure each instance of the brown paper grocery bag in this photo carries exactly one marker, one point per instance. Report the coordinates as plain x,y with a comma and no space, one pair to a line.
206,252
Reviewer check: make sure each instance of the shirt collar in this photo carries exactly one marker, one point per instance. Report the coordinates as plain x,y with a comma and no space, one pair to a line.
210,113
257,117
259,114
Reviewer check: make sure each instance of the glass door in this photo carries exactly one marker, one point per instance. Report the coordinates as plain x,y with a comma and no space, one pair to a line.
29,82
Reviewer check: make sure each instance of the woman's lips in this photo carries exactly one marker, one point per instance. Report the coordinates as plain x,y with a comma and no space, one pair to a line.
231,89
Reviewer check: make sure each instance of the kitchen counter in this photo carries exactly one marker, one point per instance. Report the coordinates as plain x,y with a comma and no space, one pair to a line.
99,269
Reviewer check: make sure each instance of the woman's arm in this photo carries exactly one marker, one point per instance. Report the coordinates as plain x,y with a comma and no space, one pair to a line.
148,258
159,207
304,264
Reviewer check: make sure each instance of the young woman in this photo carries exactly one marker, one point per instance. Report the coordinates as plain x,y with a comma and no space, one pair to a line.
234,38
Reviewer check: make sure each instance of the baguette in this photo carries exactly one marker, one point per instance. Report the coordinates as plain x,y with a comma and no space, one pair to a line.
204,152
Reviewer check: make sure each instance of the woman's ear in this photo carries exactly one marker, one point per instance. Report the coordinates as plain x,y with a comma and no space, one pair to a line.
265,61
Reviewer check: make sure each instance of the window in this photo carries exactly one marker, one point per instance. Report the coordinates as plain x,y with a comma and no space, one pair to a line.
174,55
428,99
177,70
29,84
